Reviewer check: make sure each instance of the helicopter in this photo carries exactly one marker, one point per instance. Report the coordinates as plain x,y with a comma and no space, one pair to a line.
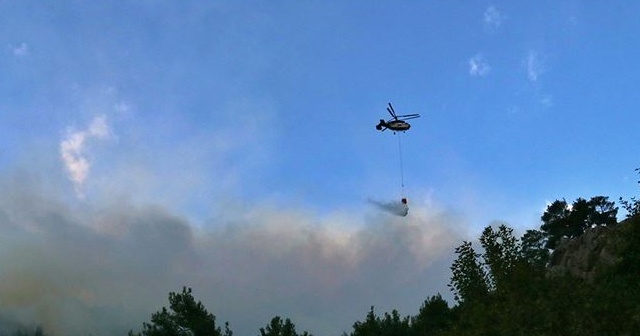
398,122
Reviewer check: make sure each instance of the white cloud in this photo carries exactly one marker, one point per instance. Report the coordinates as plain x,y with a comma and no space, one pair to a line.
19,50
534,66
122,107
73,151
492,18
478,66
546,100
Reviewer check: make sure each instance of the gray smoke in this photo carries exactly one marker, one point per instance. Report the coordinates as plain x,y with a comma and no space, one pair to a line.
103,269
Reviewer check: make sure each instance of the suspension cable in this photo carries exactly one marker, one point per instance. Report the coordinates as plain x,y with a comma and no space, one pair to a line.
401,164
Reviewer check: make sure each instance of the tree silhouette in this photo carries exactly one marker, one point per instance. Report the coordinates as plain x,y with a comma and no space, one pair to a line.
390,325
632,206
501,250
469,279
533,249
185,317
434,317
277,327
563,221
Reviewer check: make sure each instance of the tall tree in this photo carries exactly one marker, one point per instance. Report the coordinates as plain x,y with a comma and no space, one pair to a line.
631,206
278,327
185,317
517,297
555,222
533,250
603,212
563,221
38,331
390,325
435,317
501,250
369,327
469,278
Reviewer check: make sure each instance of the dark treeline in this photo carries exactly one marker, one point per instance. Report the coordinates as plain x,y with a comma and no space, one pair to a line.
501,287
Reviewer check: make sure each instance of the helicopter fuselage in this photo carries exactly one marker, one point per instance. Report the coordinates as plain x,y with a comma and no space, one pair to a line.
394,125
398,125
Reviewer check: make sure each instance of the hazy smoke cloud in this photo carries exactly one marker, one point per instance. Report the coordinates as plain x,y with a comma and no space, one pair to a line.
105,270
73,151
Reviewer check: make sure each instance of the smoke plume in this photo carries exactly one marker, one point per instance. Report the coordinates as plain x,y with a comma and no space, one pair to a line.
103,269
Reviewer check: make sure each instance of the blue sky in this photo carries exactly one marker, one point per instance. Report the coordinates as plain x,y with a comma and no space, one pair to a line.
227,119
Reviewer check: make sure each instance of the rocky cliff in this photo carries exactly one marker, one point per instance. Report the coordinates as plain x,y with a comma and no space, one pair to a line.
584,256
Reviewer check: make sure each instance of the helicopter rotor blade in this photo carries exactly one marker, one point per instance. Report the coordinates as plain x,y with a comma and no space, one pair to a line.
409,118
392,111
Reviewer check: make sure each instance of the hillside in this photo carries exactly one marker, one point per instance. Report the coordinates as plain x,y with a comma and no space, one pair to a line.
586,255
